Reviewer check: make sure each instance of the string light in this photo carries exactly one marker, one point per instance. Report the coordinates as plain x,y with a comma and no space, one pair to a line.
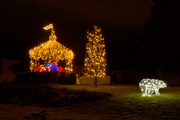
95,59
149,86
51,51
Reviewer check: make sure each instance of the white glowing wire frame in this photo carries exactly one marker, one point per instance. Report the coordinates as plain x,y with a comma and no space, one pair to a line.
149,86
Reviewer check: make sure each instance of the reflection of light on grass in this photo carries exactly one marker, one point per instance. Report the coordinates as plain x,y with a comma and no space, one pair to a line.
154,102
128,93
170,96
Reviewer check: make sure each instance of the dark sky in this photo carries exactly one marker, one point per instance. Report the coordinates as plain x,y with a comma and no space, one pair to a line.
22,22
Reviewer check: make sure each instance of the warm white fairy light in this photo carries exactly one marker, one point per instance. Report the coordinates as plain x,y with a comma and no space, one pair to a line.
95,59
149,86
51,51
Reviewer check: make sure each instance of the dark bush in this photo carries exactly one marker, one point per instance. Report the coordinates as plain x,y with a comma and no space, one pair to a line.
46,77
45,95
37,116
68,79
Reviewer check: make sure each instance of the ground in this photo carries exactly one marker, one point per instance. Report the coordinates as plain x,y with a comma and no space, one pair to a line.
126,102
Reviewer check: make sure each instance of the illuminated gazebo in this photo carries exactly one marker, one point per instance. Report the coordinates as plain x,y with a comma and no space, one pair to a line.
51,51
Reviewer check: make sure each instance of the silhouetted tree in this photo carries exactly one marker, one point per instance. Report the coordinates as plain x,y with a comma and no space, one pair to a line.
162,33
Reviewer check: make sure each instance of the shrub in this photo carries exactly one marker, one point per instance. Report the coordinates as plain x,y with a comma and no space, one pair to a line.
45,77
45,95
172,79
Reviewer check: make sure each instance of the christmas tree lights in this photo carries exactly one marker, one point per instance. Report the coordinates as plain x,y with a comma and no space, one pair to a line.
95,59
149,86
51,51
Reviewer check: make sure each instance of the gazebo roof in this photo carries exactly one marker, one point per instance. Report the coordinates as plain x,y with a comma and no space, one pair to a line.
51,50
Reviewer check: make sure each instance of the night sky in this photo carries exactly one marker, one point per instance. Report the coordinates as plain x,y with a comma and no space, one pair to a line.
22,23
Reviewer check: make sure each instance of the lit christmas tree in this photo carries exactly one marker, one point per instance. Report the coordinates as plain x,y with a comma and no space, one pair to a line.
95,59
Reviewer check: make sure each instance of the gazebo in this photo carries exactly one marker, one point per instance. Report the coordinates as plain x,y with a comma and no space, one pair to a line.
51,51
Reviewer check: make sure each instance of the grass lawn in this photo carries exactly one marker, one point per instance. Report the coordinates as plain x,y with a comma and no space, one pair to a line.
125,102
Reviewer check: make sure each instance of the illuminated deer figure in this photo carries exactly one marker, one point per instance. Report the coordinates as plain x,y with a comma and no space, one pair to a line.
51,51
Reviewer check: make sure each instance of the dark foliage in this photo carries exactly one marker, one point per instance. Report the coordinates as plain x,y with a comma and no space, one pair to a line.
162,35
37,116
46,77
45,95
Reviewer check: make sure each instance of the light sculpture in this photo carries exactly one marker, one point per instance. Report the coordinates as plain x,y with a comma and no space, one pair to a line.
51,51
95,58
149,86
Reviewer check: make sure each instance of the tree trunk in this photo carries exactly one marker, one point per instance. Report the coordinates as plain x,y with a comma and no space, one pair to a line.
95,82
